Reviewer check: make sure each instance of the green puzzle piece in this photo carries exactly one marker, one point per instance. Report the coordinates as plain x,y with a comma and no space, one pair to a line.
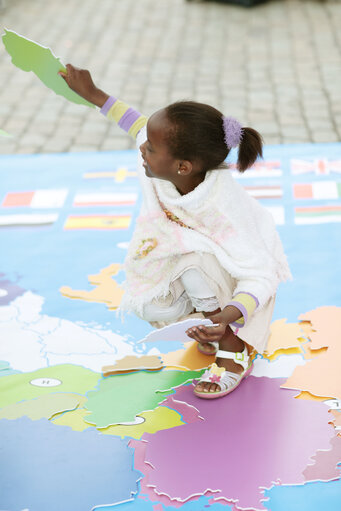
4,134
30,56
120,398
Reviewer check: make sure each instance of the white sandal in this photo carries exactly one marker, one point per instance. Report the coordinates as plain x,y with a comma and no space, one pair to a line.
226,380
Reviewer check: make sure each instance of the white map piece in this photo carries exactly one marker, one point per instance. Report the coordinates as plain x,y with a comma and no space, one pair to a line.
31,340
281,367
176,331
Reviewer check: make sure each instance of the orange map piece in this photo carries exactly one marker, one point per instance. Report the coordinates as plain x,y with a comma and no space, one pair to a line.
188,357
321,375
287,338
107,290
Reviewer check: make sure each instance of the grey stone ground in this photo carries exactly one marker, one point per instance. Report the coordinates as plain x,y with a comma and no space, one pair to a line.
276,67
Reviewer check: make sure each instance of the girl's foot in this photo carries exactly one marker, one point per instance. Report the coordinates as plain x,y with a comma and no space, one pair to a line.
228,365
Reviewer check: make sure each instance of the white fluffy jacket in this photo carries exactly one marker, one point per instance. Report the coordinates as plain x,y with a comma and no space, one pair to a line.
223,219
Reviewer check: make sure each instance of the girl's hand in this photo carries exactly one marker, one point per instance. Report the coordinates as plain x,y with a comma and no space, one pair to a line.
80,81
204,334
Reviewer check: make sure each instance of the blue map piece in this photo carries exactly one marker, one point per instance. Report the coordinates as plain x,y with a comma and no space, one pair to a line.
307,497
47,467
140,504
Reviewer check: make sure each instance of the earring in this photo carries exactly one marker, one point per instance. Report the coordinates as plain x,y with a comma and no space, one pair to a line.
179,171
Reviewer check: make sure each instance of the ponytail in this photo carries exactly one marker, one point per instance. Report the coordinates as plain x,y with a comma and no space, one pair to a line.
250,148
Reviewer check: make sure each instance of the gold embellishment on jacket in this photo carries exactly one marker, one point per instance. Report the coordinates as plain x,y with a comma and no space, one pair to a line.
174,218
145,247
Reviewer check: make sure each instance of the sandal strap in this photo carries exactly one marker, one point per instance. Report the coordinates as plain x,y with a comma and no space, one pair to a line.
226,380
238,357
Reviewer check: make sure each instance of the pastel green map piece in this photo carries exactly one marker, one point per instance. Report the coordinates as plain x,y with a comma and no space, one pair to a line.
121,398
49,380
42,407
4,133
30,56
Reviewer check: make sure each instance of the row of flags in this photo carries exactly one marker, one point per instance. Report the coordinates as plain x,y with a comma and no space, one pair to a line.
51,199
326,190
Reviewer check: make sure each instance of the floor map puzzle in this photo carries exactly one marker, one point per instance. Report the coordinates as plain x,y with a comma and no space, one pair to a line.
98,413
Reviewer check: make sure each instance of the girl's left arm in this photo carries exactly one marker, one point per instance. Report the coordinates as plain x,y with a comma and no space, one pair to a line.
80,81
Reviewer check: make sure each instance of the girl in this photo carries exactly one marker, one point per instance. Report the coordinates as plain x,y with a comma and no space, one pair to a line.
201,246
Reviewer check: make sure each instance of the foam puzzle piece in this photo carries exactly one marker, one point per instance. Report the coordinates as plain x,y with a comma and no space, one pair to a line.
281,367
325,466
42,407
31,56
133,363
306,497
120,398
107,290
175,331
4,133
75,419
188,357
41,455
62,378
155,420
270,425
326,323
287,338
336,420
188,413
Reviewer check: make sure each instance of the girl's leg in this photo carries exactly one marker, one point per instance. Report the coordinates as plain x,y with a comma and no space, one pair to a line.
204,301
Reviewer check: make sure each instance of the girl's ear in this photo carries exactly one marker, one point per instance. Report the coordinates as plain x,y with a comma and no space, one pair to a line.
185,167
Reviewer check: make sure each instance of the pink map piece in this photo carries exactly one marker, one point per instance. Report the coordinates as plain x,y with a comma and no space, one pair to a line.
325,466
256,437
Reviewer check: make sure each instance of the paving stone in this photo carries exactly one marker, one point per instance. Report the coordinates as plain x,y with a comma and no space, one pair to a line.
286,71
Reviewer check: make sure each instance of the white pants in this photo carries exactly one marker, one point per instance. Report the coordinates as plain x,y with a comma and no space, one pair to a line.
201,285
197,295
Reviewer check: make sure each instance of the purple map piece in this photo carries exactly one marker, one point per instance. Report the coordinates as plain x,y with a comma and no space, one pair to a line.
325,466
254,438
8,291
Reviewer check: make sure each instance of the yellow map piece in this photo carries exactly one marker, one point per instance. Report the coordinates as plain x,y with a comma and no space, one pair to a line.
106,291
74,419
321,375
155,420
188,357
132,363
42,407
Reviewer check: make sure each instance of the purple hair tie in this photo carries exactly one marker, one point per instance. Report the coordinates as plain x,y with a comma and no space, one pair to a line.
232,131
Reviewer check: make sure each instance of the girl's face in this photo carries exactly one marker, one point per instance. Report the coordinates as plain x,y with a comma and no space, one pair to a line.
158,162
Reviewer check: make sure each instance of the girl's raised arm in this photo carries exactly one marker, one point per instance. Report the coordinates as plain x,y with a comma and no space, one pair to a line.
80,81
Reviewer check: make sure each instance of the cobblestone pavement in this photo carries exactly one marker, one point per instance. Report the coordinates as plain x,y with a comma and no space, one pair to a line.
276,67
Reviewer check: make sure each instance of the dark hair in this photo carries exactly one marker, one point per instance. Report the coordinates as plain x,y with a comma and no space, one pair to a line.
196,134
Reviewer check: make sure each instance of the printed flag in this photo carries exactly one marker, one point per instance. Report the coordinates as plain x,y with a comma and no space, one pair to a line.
317,214
105,199
36,199
97,222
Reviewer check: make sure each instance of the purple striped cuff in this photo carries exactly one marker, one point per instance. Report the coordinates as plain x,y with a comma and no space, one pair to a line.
107,105
128,119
